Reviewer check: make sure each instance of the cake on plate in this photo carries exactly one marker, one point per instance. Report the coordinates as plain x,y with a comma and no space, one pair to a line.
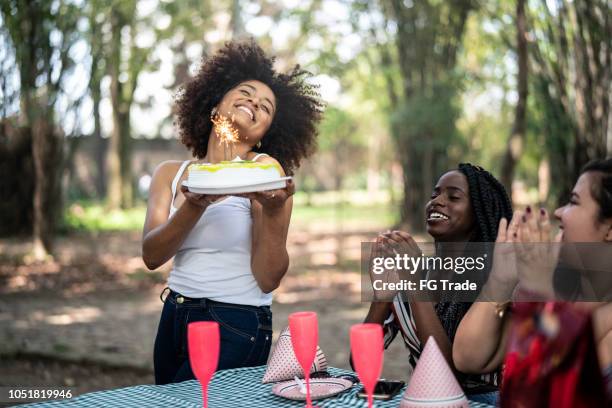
232,174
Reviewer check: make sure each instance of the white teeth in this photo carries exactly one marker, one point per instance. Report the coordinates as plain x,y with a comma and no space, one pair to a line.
247,110
437,216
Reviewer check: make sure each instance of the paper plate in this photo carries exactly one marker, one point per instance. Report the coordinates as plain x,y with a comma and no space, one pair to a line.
238,189
319,388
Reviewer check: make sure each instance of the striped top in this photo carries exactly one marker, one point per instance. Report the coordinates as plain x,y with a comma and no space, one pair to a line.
401,320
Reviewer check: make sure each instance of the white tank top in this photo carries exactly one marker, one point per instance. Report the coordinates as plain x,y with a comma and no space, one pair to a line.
214,261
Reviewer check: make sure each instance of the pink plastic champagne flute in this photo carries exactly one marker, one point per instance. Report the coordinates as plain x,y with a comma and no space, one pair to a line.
367,350
304,330
203,343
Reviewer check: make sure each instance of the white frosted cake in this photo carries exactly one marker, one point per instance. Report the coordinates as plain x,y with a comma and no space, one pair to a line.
232,173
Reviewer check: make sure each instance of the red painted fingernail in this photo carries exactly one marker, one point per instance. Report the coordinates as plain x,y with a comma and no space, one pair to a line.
523,218
514,235
542,211
528,209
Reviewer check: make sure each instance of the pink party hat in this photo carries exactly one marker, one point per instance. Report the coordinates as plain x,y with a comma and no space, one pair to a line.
433,384
283,365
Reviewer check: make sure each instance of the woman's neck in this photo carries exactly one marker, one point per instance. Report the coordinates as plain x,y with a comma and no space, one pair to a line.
458,246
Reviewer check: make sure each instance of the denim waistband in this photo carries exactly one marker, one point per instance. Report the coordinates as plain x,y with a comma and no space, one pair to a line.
177,298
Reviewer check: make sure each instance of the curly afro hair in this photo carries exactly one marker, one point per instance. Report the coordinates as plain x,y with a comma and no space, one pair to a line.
293,131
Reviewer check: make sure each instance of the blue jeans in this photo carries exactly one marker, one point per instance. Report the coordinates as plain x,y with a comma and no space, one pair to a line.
491,398
246,335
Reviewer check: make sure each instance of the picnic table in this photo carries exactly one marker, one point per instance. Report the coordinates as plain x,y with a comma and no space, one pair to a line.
239,387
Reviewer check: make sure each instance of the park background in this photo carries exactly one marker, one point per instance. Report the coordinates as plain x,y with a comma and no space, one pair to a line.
413,87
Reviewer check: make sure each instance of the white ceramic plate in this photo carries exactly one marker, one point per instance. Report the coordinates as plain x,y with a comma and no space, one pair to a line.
239,189
319,388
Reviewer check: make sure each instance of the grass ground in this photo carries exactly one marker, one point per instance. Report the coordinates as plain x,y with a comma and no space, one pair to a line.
328,211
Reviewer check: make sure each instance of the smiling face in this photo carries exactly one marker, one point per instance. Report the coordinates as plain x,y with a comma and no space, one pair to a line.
252,106
449,213
579,221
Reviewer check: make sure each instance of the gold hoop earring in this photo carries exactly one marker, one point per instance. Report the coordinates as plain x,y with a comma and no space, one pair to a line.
258,144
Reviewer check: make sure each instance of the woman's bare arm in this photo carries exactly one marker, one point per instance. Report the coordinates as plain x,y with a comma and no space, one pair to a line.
271,212
480,341
428,324
162,237
378,312
602,325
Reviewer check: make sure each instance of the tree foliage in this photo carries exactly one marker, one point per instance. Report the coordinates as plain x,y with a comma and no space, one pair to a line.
572,49
42,35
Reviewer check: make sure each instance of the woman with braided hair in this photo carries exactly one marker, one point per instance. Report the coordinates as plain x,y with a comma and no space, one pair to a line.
465,206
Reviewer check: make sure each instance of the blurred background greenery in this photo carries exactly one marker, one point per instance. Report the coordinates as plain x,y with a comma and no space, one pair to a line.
413,87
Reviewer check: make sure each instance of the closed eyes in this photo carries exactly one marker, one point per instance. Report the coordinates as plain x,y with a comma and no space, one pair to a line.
246,92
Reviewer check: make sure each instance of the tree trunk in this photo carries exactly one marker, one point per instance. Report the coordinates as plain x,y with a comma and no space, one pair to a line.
17,178
609,132
412,202
120,181
113,193
574,57
514,147
428,35
42,64
127,190
100,143
339,206
47,149
409,202
97,71
373,171
120,192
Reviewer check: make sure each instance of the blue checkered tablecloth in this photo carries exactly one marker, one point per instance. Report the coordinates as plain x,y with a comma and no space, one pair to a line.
240,387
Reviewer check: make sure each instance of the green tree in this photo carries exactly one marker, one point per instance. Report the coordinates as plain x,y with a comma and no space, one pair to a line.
572,55
125,61
95,36
427,41
42,34
515,143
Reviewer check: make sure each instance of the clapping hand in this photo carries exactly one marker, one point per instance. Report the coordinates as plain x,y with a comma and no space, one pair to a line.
387,245
504,276
537,252
400,242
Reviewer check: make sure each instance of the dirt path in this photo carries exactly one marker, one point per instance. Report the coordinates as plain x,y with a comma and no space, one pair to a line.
119,328
97,310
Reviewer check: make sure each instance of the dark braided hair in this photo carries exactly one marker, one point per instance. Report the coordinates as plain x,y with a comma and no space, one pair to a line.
489,200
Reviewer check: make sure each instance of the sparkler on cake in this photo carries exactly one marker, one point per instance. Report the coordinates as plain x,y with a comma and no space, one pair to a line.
228,134
232,176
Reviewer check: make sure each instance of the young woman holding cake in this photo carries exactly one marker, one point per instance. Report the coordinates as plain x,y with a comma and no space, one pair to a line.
466,206
229,252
